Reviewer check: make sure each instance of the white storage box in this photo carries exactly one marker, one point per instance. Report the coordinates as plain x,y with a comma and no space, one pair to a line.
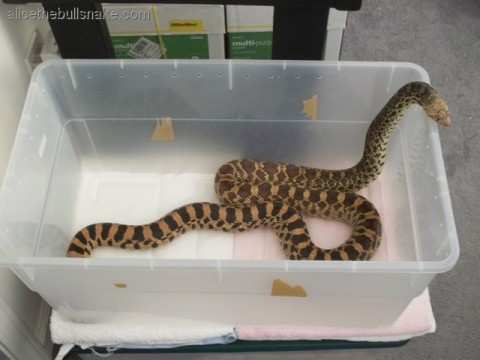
166,31
250,32
126,141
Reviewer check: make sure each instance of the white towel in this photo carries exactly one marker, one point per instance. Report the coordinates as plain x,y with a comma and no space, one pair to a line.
120,330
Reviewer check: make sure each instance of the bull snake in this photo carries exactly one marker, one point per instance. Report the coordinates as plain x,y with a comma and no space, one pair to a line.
260,193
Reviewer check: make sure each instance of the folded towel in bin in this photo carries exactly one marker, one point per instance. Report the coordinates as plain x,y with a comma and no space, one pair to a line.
416,320
124,330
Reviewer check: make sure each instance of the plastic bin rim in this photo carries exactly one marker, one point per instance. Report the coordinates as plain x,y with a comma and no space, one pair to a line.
419,267
230,62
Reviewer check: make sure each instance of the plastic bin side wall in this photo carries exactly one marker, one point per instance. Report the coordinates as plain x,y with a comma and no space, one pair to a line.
84,99
429,196
224,90
239,296
27,180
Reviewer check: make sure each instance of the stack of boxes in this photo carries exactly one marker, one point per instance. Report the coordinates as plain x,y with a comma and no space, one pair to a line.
250,30
167,31
203,31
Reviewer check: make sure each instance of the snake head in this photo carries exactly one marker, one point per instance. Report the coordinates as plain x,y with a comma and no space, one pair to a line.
436,108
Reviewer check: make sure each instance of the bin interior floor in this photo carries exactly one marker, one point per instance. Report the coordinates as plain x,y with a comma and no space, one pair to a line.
141,198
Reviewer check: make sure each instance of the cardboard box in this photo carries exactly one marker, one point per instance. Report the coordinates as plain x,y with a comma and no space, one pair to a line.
250,30
166,31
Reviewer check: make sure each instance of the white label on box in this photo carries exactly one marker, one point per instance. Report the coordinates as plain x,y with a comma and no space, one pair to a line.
145,49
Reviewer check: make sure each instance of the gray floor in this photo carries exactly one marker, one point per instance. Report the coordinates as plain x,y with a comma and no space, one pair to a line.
444,38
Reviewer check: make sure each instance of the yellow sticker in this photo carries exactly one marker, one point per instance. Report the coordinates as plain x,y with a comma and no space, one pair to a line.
281,288
120,285
185,25
163,130
310,107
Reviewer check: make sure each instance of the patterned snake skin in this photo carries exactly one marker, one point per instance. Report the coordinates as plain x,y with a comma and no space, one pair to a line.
259,193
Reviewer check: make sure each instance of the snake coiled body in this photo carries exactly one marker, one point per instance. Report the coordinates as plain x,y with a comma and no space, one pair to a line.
262,193
286,221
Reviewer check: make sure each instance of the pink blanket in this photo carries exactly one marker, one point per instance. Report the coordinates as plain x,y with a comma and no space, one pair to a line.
416,320
262,244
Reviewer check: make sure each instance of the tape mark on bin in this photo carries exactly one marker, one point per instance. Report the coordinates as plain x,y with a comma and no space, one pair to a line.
310,107
163,130
281,288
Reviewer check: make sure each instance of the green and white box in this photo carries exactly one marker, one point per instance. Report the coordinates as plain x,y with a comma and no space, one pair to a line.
166,31
250,31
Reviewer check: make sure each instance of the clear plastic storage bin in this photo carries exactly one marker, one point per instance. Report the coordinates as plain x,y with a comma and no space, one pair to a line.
127,141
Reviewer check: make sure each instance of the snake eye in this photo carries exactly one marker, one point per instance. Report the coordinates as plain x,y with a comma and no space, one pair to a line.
427,98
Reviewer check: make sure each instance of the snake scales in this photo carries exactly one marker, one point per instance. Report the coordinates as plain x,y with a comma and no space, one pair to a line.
261,193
